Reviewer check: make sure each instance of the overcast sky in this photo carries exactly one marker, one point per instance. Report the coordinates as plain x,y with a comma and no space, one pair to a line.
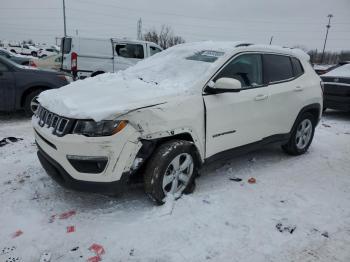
291,22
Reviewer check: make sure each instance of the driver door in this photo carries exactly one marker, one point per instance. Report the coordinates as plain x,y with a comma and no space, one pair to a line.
235,119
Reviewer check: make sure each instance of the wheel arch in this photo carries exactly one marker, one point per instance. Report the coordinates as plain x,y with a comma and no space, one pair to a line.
29,90
314,109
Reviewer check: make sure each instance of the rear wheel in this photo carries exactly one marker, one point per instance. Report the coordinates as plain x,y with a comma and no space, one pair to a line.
171,171
301,136
31,104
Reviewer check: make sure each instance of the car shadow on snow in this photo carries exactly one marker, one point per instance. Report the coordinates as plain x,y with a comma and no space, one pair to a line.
13,116
336,115
134,198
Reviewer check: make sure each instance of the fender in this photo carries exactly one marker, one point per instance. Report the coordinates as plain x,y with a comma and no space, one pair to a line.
315,109
184,133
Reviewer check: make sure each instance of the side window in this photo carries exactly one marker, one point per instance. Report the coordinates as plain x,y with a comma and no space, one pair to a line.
154,50
246,68
297,67
3,68
130,50
277,68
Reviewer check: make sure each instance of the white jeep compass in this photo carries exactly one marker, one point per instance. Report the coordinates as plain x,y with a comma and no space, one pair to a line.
163,118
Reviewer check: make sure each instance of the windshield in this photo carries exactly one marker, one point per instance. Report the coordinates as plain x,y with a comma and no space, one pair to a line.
183,65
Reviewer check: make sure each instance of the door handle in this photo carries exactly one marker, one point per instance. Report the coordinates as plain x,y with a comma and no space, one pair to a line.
298,88
260,97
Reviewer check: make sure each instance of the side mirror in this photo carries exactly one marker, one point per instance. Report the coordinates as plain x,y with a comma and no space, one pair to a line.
224,85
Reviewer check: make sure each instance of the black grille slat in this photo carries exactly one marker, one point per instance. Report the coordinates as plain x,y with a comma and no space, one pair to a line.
61,125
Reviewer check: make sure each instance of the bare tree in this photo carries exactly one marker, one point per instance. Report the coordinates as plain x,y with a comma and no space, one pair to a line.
165,38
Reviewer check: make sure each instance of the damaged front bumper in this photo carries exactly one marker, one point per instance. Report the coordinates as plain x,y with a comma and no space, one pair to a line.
95,164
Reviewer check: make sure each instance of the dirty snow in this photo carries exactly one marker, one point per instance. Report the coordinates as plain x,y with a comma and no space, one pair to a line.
341,71
151,81
223,220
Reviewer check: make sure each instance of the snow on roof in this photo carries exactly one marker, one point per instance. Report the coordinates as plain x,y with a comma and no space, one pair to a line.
341,71
282,50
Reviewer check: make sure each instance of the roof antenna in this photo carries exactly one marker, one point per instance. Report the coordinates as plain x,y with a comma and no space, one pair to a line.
271,39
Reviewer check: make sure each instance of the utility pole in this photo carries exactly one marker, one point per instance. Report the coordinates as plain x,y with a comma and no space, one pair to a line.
64,18
271,40
325,40
139,29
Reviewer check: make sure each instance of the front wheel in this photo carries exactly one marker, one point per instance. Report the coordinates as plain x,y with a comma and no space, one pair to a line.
171,171
302,135
31,104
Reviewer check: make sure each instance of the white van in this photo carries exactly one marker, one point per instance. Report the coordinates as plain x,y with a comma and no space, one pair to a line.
85,57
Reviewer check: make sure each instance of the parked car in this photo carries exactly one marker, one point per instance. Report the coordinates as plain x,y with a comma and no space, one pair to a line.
337,88
169,114
322,69
49,62
23,49
20,85
22,60
44,52
85,57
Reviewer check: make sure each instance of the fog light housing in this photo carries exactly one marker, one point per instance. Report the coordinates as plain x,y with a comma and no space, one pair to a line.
88,164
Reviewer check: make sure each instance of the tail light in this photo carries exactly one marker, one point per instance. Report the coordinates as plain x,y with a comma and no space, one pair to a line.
32,64
74,62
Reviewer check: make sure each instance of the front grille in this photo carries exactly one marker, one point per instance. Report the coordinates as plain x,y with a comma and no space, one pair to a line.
59,125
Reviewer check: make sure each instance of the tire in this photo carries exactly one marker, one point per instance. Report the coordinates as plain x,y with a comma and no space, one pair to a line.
302,135
28,102
97,73
34,54
161,178
13,51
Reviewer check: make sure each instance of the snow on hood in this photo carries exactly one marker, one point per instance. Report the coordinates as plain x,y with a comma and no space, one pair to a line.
152,81
341,71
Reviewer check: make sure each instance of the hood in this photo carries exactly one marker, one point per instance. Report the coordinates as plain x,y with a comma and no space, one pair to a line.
105,96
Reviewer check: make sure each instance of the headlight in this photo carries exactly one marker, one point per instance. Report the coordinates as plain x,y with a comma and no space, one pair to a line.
102,128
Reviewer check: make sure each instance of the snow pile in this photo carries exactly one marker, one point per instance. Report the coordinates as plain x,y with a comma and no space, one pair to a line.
341,71
151,81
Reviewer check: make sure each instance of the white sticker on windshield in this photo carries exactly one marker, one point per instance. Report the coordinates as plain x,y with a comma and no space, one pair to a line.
212,53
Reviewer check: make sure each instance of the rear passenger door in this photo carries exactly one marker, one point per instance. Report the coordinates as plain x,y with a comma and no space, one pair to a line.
285,88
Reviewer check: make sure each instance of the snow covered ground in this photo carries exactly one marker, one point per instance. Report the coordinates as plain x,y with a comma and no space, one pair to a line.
223,220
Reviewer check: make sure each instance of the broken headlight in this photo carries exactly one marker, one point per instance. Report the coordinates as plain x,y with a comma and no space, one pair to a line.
101,128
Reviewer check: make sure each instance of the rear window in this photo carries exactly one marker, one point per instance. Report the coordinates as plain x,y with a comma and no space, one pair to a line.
297,67
130,50
66,45
154,50
277,68
206,56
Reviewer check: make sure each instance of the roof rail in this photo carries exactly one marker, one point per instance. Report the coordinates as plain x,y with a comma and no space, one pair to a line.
244,44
